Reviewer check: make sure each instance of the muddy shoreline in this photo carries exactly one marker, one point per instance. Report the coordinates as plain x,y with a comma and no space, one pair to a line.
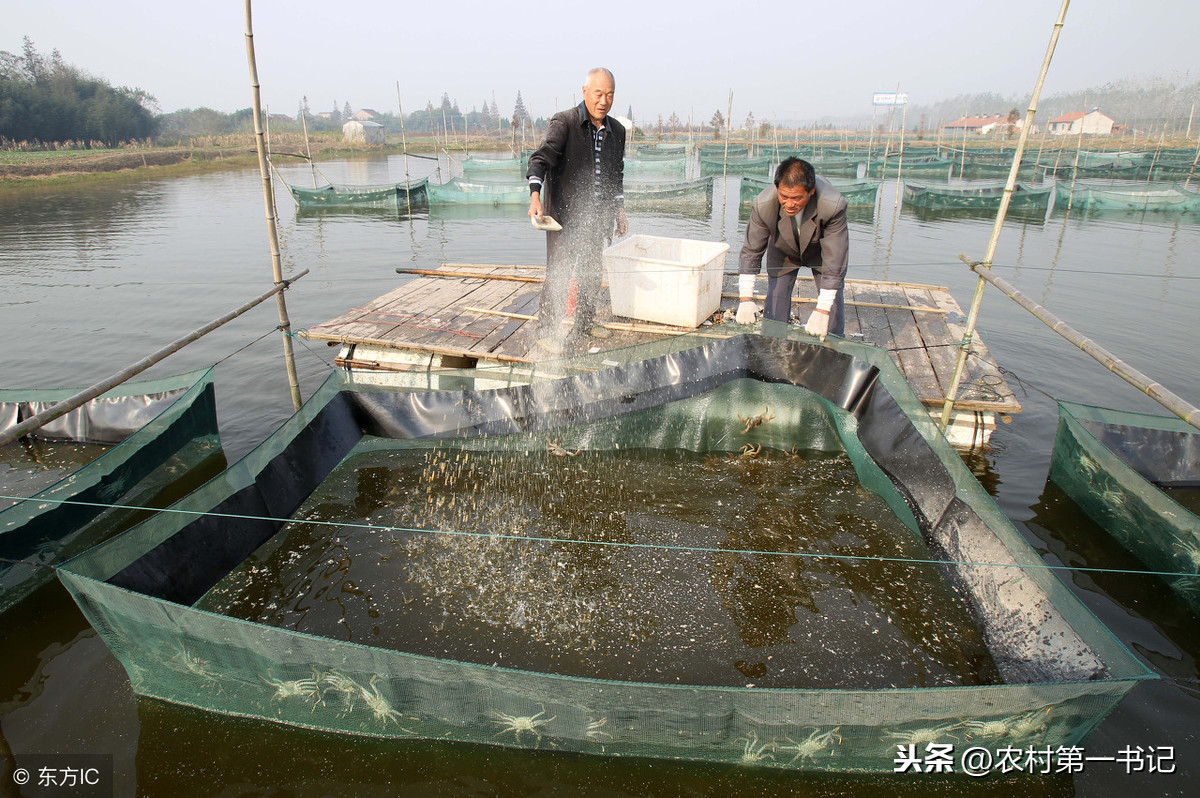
39,168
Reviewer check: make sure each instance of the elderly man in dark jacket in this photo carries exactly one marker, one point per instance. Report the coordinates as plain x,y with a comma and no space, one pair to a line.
577,176
801,221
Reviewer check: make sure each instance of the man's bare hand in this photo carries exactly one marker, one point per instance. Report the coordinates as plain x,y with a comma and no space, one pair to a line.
536,210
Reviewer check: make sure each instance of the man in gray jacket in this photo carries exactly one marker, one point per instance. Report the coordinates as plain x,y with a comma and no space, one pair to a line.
799,222
577,176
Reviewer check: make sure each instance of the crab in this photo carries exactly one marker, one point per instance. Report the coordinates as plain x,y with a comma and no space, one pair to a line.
594,729
380,707
754,421
1189,552
340,683
1018,727
294,688
748,451
557,451
812,745
194,665
925,736
752,752
519,723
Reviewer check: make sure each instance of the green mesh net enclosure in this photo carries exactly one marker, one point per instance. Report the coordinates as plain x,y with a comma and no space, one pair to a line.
391,195
463,191
674,166
140,439
1138,477
751,549
1023,197
513,166
1138,198
716,164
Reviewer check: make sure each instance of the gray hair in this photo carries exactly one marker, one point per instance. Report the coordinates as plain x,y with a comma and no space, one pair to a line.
602,71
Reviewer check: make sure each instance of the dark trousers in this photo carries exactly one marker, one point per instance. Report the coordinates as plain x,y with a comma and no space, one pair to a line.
779,303
575,251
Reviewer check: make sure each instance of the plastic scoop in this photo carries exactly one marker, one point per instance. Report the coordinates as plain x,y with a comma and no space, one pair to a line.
546,223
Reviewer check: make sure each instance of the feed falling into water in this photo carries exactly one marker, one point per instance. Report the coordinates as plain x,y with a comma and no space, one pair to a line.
778,570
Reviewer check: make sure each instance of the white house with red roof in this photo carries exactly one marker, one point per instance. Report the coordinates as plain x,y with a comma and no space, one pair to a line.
1092,123
983,125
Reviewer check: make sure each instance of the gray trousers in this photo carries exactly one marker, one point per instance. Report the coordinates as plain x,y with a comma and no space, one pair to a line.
779,303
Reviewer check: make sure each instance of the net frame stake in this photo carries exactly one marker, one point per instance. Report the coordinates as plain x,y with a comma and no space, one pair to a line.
285,324
986,264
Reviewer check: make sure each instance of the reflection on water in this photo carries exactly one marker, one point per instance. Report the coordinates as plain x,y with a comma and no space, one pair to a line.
1188,497
100,274
30,465
518,588
1072,538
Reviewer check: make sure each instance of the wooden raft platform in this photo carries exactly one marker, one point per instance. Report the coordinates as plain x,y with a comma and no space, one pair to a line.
463,315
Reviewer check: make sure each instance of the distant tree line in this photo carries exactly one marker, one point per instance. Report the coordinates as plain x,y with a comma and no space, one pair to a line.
44,99
1148,104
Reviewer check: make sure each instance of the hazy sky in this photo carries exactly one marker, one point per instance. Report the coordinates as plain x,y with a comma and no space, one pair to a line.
798,60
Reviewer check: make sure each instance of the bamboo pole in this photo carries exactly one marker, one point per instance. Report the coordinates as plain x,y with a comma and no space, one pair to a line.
470,275
849,280
404,149
86,395
725,163
490,266
900,156
797,300
1155,390
270,165
977,300
285,325
308,148
1078,152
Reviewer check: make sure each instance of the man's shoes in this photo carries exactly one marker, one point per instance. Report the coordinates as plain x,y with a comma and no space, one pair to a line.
601,332
552,346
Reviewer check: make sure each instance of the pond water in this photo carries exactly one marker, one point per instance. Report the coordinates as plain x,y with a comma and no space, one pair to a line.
94,277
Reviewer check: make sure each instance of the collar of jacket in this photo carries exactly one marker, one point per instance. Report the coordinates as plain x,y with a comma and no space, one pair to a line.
584,119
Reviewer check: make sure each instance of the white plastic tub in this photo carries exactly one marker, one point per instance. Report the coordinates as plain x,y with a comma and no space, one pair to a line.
674,281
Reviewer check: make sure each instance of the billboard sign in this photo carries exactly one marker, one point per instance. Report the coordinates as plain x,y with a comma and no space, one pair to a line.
891,98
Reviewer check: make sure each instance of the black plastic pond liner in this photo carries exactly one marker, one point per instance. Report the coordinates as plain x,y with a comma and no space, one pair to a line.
1063,671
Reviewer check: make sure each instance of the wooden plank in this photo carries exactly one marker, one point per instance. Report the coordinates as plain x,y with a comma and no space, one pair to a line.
415,303
439,350
907,319
986,388
457,326
939,345
873,322
410,311
909,346
335,327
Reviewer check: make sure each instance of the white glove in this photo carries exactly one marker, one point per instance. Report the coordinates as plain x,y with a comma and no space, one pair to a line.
747,311
818,322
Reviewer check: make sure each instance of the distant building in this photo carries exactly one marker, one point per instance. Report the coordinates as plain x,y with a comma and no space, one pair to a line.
983,125
365,115
364,132
1093,123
